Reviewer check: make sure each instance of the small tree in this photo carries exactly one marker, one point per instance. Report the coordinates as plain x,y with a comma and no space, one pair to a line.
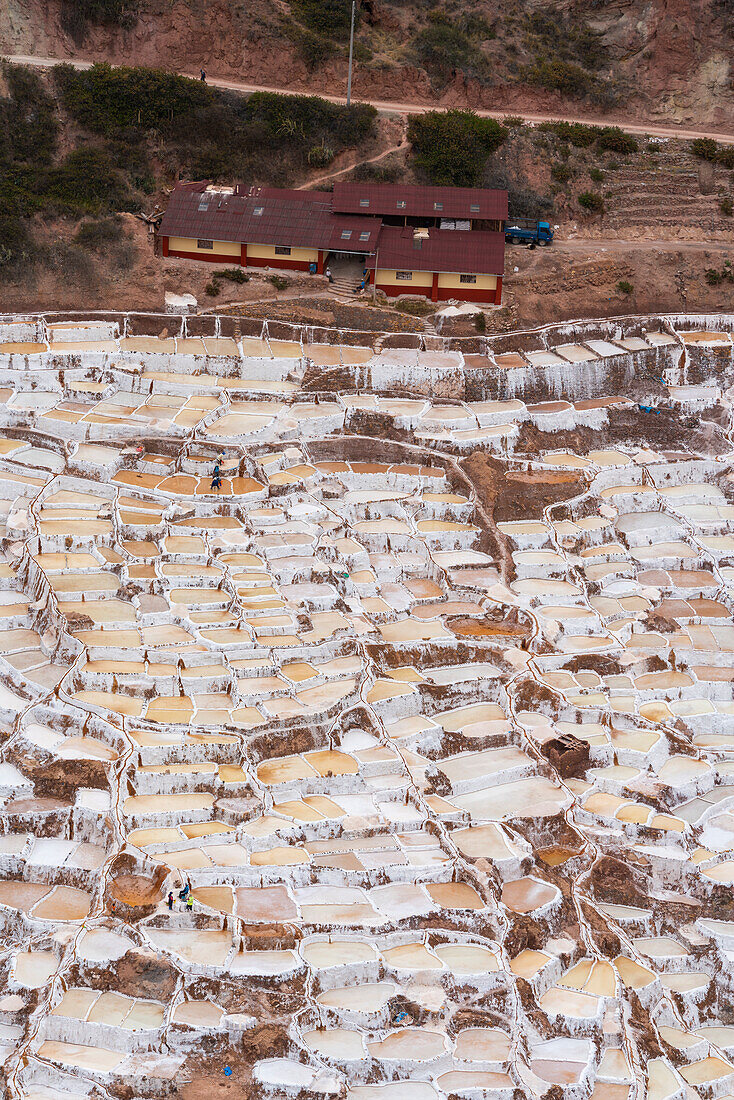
452,147
592,201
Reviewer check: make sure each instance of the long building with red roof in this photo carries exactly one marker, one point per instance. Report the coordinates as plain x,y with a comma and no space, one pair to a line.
439,242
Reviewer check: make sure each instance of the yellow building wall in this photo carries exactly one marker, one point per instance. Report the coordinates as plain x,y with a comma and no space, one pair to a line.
267,252
451,281
188,244
421,279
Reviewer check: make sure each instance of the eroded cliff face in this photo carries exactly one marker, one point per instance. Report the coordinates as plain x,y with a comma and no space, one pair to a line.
672,59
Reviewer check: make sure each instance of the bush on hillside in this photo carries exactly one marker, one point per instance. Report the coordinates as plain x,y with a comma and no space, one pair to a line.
560,76
451,148
76,15
705,148
98,235
548,32
18,252
309,120
613,140
576,133
443,48
561,172
314,49
28,126
105,100
592,201
330,18
708,149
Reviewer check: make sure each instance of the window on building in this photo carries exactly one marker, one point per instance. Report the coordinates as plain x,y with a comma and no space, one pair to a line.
258,211
364,236
404,276
467,278
438,206
401,204
205,244
364,202
282,250
474,208
346,234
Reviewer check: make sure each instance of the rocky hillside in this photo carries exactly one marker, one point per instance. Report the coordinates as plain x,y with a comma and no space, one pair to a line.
636,59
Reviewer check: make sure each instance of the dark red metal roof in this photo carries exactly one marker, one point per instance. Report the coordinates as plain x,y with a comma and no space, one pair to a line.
434,202
300,219
475,252
304,219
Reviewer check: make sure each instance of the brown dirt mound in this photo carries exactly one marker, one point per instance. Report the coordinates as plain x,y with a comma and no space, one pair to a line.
132,895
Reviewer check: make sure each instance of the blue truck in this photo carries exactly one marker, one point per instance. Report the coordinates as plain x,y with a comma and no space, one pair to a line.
528,231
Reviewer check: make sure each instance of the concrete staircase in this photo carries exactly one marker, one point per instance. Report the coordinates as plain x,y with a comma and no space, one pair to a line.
343,290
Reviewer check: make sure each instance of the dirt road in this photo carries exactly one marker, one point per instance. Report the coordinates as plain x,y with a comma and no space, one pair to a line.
387,107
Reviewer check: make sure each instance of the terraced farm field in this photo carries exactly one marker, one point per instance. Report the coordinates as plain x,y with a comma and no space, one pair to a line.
398,766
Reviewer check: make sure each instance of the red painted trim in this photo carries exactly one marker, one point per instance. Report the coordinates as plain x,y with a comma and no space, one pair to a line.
444,294
320,263
434,288
465,295
252,261
211,258
243,254
394,291
278,261
498,291
164,245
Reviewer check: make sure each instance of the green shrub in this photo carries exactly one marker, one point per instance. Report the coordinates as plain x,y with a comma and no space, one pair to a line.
307,120
597,175
548,32
234,274
725,157
476,26
442,47
561,172
330,18
451,148
560,76
85,182
314,49
612,139
415,307
577,133
592,201
513,122
726,206
104,99
212,288
624,287
713,277
76,15
704,148
99,234
320,155
480,322
280,282
28,125
18,251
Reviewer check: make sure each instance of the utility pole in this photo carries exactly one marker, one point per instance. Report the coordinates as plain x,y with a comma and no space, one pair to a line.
351,54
